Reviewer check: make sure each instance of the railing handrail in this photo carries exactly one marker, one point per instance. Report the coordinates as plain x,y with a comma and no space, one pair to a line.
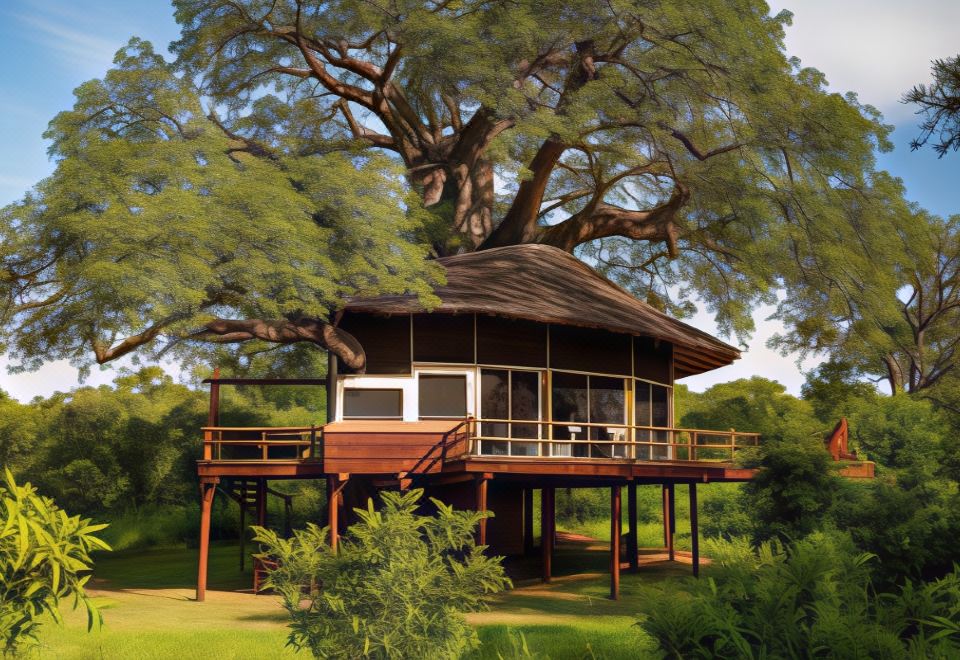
617,425
276,437
304,429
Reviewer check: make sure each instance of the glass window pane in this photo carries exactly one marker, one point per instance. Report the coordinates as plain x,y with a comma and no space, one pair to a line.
524,403
660,416
569,402
494,447
494,401
607,406
641,416
372,403
660,409
443,395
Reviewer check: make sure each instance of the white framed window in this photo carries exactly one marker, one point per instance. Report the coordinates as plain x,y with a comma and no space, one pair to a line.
444,392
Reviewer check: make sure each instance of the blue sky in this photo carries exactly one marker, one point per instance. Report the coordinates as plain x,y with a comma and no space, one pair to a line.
877,48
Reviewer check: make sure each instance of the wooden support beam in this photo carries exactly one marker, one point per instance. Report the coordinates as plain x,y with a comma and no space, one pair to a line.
547,530
694,530
528,521
213,416
335,485
332,366
615,533
632,550
262,502
481,505
207,489
243,527
669,520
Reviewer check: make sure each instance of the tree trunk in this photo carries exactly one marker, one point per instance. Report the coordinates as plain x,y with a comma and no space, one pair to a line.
894,374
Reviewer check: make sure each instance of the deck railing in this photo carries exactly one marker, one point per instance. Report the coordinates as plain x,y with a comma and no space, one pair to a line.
555,439
257,444
497,438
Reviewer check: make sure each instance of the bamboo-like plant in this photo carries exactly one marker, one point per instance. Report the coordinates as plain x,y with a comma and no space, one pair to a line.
44,559
396,588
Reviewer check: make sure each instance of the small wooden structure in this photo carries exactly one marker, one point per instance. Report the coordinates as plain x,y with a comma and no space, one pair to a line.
533,373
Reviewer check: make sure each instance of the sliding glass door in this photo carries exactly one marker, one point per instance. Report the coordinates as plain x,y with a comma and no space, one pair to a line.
591,408
511,398
651,407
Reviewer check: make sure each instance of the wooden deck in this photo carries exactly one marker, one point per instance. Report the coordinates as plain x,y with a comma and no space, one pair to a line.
441,449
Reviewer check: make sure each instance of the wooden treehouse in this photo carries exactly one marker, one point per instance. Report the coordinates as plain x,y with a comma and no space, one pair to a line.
533,373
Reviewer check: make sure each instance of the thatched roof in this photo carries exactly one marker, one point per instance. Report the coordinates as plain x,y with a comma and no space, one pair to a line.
546,284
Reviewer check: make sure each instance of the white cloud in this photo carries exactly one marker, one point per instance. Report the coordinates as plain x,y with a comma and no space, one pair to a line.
877,48
76,46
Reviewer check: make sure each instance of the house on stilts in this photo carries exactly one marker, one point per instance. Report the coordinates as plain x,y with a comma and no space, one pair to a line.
533,373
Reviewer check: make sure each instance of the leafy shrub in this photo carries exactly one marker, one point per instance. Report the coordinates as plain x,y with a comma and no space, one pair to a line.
44,558
812,598
396,588
794,489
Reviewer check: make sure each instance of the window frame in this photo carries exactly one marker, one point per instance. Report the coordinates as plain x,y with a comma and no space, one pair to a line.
398,390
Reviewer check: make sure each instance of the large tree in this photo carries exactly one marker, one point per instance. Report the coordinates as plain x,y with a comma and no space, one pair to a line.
882,298
672,143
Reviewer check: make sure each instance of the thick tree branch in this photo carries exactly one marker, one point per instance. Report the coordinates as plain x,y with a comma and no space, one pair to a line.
319,332
603,220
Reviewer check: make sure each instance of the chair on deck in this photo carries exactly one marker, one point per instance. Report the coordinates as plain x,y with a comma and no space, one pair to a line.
261,568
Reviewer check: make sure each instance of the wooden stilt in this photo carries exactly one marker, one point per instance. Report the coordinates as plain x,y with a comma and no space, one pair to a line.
333,510
632,549
243,526
528,521
546,530
669,521
207,490
262,502
481,505
672,492
615,532
694,530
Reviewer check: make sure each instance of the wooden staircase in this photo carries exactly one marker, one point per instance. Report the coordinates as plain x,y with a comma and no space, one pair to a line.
251,496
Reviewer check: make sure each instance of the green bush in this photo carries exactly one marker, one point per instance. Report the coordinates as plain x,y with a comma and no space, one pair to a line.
396,588
44,558
812,598
795,488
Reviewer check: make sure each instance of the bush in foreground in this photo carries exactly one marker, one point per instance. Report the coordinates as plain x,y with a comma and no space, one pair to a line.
812,598
396,588
44,559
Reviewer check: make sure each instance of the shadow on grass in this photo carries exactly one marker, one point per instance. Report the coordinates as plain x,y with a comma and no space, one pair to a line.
171,568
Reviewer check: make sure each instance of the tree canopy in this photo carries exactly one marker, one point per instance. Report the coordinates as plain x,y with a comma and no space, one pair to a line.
294,154
939,105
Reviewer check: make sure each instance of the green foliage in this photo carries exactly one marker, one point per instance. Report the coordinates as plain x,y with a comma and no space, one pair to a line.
939,103
44,559
155,223
756,404
811,598
900,432
832,388
895,322
794,488
396,587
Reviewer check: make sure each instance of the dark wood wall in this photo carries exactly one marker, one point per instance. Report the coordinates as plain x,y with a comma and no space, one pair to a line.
449,339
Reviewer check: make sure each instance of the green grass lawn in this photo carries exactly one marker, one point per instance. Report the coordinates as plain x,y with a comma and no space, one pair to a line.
149,612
